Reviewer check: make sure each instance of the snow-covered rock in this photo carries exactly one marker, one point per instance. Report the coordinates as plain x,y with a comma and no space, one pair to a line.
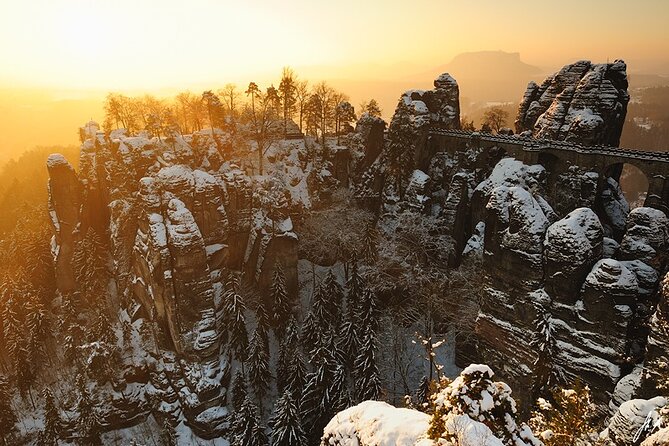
375,423
583,102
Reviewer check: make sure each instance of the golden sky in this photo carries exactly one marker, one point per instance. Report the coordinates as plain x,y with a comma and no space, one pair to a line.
59,57
151,44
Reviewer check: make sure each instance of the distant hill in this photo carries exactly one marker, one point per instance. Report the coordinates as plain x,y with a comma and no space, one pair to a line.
489,76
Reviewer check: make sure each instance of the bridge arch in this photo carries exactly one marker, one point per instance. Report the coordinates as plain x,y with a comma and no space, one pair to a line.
632,179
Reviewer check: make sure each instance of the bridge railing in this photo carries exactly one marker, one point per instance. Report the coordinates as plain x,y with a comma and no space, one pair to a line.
540,144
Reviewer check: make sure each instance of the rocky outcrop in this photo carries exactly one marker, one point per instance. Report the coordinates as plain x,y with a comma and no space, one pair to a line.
179,222
534,266
625,424
370,130
64,210
423,110
584,102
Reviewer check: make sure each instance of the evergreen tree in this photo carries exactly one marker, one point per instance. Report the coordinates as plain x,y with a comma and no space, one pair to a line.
25,373
258,365
11,329
281,305
247,426
236,324
347,341
310,334
38,330
286,424
354,288
370,250
50,435
8,418
320,307
297,372
126,329
102,330
423,393
546,373
88,422
316,401
284,357
262,323
334,298
287,93
70,345
372,107
91,271
239,390
215,109
368,313
338,391
39,262
366,371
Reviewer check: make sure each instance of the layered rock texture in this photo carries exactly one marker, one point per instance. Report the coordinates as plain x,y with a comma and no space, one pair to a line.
584,103
570,273
179,222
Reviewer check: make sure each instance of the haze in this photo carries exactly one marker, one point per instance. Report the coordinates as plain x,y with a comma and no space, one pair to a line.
61,57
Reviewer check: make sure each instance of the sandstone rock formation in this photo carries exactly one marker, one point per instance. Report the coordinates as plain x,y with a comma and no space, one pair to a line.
64,210
584,102
179,221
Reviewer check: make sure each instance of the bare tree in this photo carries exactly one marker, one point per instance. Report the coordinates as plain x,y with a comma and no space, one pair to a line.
230,96
301,96
495,118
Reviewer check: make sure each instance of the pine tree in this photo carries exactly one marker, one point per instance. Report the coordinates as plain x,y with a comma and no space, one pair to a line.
546,373
70,345
38,329
88,422
297,372
239,390
126,329
367,313
366,372
247,429
370,250
236,324
423,393
310,333
91,271
40,265
286,424
354,289
316,401
50,435
334,297
8,418
284,357
282,306
258,366
102,330
347,341
338,391
25,373
262,323
11,329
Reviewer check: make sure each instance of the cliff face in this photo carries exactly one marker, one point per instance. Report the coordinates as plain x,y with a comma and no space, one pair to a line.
179,222
583,102
570,273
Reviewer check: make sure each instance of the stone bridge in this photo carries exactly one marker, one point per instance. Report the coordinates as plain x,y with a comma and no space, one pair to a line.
557,156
